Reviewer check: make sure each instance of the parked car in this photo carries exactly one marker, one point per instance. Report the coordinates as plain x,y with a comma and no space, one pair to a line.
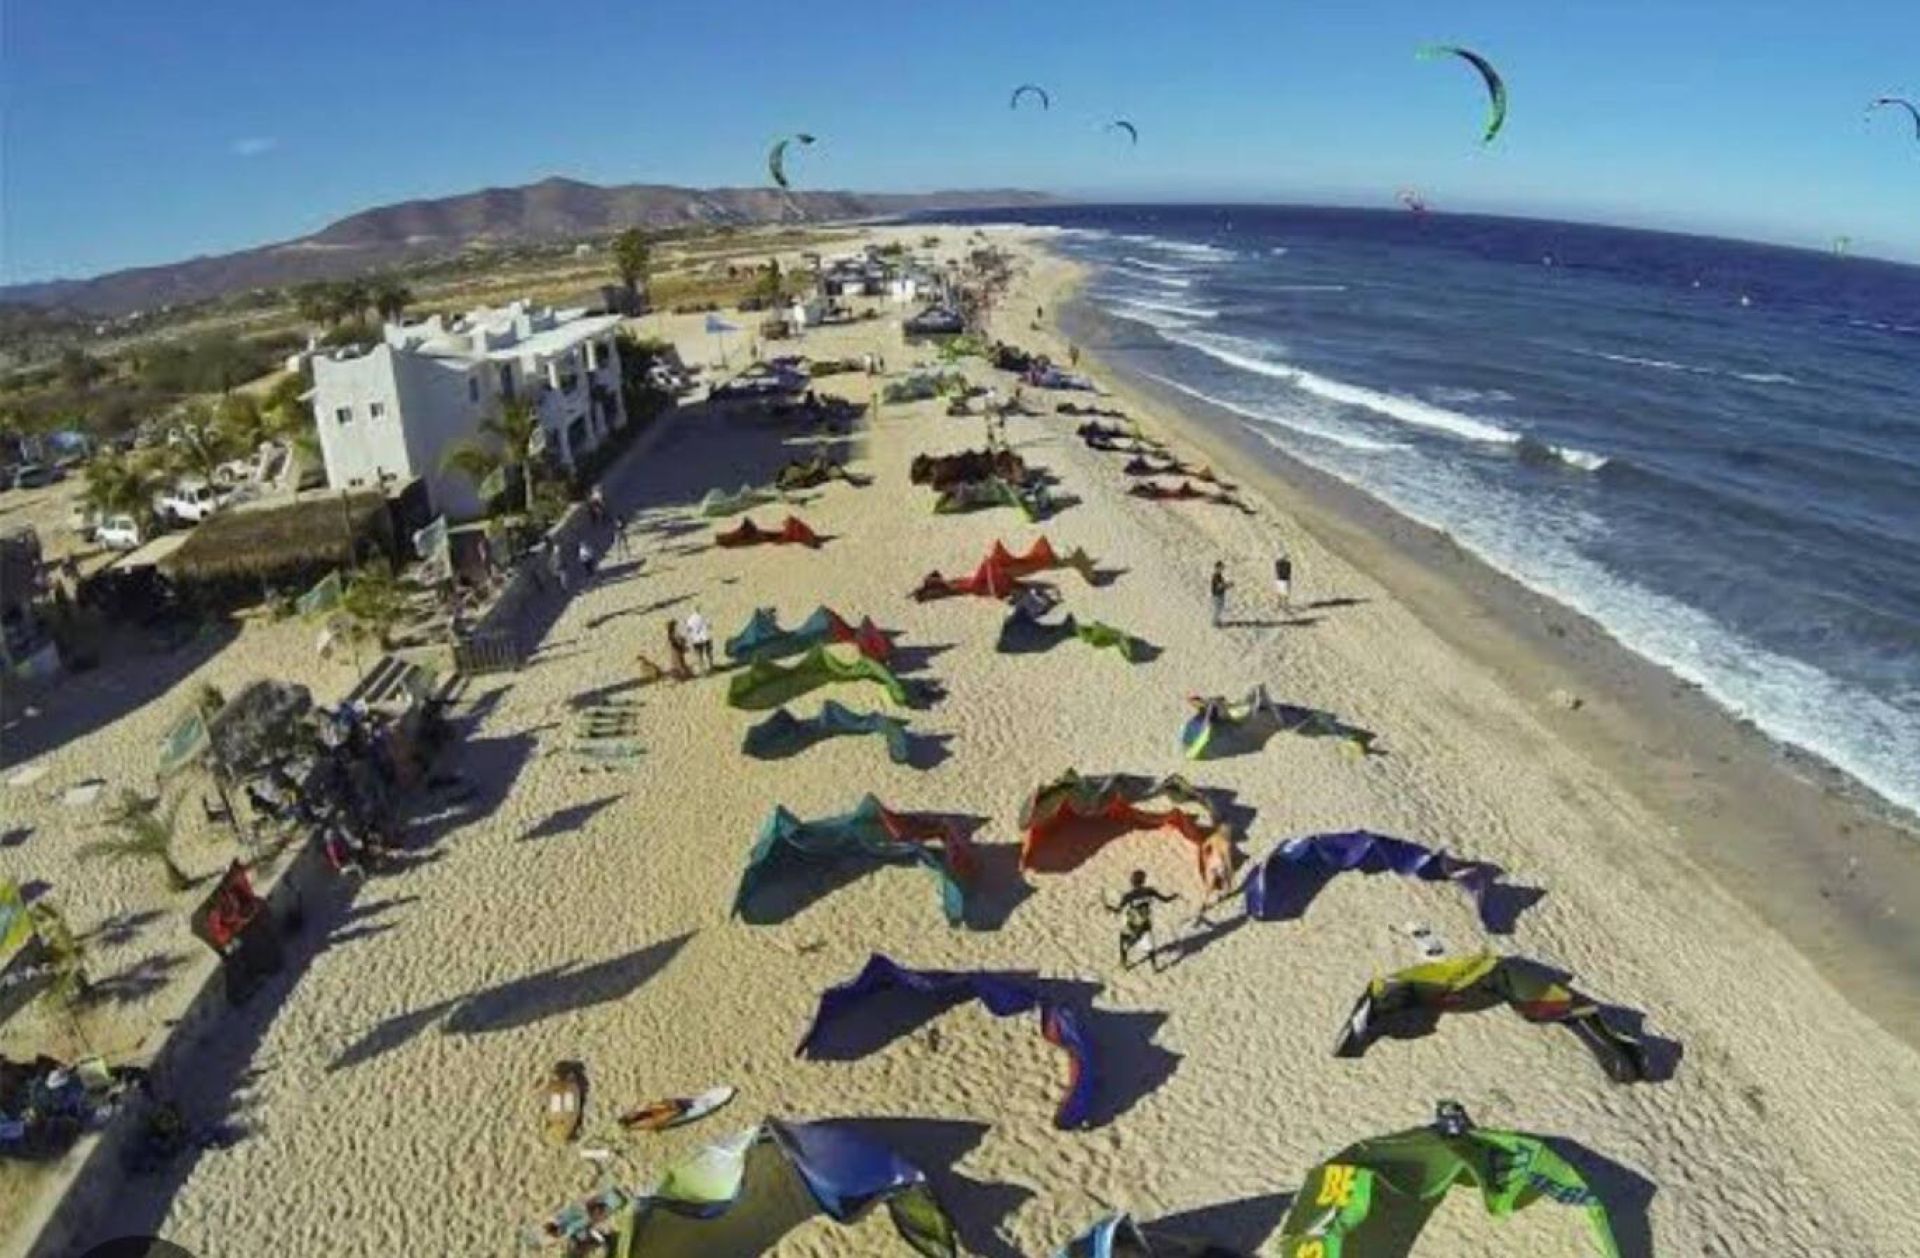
83,519
34,475
120,532
192,501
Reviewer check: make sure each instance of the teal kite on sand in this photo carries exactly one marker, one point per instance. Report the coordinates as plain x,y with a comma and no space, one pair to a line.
1024,634
872,830
783,734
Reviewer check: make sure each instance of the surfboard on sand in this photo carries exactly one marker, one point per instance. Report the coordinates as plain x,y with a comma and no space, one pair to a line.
565,1094
675,1111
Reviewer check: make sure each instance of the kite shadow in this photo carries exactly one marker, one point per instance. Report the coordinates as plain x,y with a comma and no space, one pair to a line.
999,888
121,928
1130,1066
569,819
1330,604
560,990
979,1208
926,751
141,979
599,696
1241,1226
1625,1192
16,836
902,660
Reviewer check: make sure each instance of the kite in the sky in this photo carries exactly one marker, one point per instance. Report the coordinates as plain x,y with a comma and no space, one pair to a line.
1046,101
777,156
1496,87
1121,124
1905,104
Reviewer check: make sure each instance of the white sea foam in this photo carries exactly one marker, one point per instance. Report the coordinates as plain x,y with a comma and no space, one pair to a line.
1130,260
1692,369
1297,423
1164,324
1233,351
1169,307
1186,249
1306,288
1152,277
1764,377
1453,395
1278,251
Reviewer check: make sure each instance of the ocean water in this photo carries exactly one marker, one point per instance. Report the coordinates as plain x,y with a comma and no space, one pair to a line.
1710,447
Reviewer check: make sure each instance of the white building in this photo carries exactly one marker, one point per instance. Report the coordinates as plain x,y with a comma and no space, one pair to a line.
391,413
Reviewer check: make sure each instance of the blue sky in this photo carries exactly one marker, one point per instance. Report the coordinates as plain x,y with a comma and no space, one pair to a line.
139,132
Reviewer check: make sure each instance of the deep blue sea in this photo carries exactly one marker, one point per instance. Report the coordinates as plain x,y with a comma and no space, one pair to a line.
1712,448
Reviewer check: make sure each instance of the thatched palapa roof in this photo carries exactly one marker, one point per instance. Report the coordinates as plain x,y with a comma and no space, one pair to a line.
253,541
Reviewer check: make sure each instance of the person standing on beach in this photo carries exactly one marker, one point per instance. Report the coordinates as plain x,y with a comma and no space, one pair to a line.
1217,589
1283,578
621,546
677,645
557,564
1136,916
700,638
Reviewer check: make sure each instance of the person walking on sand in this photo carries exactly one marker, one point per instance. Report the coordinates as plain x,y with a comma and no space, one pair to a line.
1217,590
557,564
586,563
700,638
1216,870
1283,578
677,645
597,505
1136,916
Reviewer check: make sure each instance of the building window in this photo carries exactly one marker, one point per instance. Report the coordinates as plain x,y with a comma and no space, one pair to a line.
473,388
344,415
506,381
376,409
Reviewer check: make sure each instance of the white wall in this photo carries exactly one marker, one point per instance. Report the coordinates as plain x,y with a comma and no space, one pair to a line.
360,450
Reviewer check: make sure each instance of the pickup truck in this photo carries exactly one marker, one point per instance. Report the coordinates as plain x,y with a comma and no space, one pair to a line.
191,501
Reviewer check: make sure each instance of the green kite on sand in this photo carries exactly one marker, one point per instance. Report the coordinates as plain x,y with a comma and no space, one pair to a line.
783,734
1222,728
768,684
1374,1196
872,830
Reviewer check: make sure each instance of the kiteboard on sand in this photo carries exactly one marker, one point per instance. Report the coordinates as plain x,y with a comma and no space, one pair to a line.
676,1111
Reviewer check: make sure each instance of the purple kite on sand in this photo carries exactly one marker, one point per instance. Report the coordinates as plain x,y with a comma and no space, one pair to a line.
1003,998
1279,884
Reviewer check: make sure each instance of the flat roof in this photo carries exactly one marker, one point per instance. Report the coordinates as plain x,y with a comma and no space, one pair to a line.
554,340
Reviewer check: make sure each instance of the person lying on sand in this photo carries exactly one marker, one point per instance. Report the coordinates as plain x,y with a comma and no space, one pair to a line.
1136,920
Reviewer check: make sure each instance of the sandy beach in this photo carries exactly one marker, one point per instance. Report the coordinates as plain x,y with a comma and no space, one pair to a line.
386,1086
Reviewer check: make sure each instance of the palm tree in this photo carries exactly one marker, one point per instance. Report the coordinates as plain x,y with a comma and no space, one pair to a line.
375,602
511,431
632,256
390,296
119,485
145,833
200,445
242,421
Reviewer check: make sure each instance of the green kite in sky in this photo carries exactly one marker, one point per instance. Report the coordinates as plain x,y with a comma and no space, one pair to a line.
1496,86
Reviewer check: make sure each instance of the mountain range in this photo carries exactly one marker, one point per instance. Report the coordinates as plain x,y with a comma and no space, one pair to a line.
551,210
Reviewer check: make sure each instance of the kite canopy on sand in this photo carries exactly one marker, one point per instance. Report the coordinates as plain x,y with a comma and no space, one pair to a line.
793,531
783,734
1033,504
764,639
1050,813
872,830
1496,86
767,684
1003,997
1025,634
999,573
777,156
1407,1003
1279,882
720,503
742,1195
1373,1196
1220,728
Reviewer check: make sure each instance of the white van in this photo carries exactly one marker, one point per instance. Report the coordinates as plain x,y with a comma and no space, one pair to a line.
192,501
120,532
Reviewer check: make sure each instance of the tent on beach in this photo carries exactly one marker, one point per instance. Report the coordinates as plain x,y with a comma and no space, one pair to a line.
793,531
1279,884
767,684
764,639
1052,814
871,830
1219,727
783,734
742,1195
1004,997
1408,1003
1374,1196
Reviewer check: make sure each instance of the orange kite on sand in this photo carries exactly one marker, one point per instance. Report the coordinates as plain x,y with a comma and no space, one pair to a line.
1055,839
747,533
999,573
